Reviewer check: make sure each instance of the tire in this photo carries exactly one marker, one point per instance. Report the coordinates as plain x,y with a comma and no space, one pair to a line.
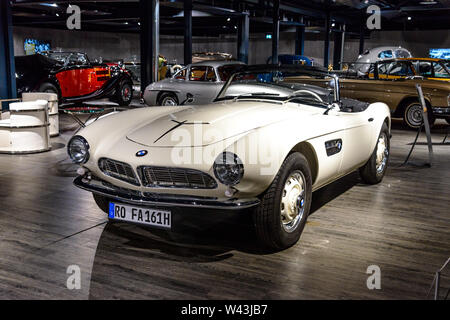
271,231
102,202
413,115
168,99
375,168
48,88
124,93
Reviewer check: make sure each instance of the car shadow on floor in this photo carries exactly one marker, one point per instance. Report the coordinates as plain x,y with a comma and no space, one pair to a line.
204,235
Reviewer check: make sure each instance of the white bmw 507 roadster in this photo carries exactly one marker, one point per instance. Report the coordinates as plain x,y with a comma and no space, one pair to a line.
269,140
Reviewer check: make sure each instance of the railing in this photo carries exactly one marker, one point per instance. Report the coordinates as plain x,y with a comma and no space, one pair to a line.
437,282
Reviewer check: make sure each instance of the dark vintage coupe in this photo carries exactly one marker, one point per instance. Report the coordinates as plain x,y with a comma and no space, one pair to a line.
73,77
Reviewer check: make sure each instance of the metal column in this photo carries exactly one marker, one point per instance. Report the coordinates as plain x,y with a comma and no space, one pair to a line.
275,30
149,41
339,38
361,40
326,51
300,40
243,37
7,73
187,32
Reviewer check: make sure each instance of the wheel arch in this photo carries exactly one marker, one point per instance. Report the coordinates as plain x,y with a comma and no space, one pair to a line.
307,150
405,102
160,93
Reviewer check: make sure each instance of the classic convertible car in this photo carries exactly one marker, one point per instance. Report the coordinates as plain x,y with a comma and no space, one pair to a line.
264,145
202,80
73,77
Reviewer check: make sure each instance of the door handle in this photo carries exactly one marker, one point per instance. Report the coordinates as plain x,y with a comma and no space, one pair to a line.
370,119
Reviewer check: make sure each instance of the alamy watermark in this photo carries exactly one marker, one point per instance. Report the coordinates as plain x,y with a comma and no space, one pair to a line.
74,280
374,280
74,20
374,20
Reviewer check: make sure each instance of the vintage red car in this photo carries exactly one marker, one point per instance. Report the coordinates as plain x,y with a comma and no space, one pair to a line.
73,77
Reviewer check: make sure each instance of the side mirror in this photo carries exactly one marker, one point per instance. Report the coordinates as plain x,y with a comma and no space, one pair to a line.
189,99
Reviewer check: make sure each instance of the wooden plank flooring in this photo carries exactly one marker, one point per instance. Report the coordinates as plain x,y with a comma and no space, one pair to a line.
402,225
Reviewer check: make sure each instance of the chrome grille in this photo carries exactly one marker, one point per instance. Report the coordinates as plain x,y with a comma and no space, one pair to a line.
166,177
118,170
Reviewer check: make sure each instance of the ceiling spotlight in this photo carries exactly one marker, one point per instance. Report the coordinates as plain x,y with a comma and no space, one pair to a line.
139,23
228,19
333,24
409,18
57,14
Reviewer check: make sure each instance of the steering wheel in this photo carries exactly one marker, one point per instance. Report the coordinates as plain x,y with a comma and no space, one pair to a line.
315,95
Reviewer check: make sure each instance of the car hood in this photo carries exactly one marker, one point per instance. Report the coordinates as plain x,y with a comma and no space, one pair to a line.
203,125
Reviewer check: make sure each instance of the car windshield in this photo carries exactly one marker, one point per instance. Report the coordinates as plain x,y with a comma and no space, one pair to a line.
69,58
288,84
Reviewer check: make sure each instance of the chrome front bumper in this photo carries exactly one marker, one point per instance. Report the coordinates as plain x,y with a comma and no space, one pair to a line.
441,111
138,198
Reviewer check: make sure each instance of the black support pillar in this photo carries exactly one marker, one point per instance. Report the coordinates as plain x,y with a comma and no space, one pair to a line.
187,32
339,38
300,40
275,30
243,37
149,41
326,50
361,40
7,69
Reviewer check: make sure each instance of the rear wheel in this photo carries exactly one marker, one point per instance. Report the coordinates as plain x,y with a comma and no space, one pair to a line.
48,88
124,93
413,115
168,99
373,171
281,216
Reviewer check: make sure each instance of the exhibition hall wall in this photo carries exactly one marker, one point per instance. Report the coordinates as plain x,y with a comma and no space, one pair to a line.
126,45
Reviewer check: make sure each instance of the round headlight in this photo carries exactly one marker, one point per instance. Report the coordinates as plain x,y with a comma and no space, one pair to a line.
78,149
228,169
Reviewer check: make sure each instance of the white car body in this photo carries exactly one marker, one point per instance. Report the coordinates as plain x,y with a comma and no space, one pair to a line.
166,157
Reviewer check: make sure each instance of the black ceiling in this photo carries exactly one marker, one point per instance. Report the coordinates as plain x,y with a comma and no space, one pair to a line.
214,17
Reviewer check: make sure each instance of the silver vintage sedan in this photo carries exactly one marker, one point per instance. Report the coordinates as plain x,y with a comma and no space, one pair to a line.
201,81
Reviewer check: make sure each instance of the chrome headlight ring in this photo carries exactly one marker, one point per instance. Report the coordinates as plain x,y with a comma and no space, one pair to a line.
228,168
78,150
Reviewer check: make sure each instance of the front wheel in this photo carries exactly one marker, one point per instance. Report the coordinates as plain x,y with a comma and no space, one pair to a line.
373,171
168,99
281,216
124,93
413,115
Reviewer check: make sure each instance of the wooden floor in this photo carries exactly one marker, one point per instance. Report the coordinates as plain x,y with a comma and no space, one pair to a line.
402,225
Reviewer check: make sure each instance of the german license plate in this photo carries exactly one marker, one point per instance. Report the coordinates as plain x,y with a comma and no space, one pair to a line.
148,216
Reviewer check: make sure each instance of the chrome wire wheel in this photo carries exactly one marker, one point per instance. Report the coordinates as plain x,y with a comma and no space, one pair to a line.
382,153
292,205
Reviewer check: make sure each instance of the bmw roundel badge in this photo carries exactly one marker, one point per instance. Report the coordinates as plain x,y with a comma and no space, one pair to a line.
141,153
